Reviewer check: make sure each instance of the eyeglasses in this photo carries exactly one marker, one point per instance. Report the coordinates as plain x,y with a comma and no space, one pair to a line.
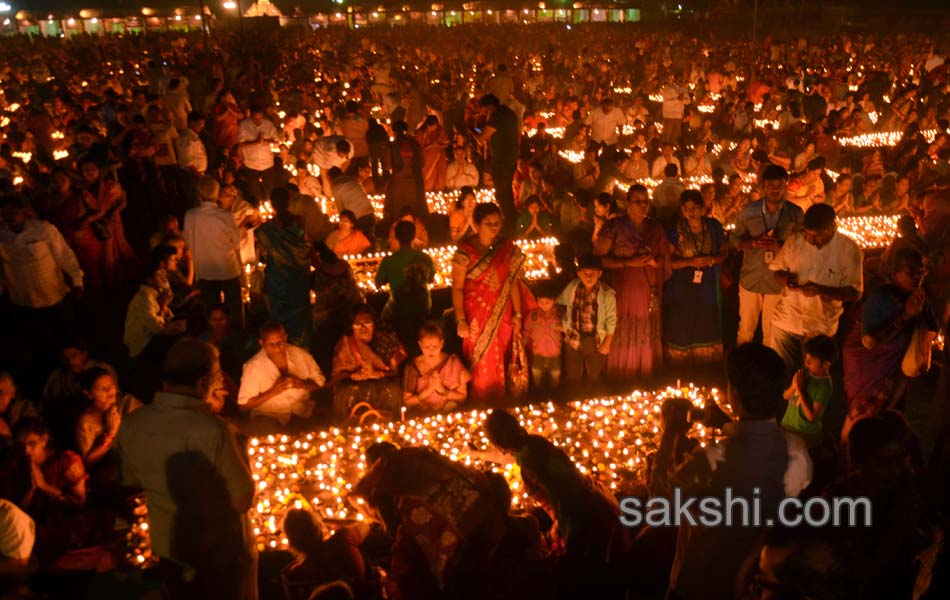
363,324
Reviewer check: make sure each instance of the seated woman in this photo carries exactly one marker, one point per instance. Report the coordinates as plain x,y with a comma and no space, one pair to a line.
533,222
321,558
366,366
99,423
434,381
461,224
346,238
56,495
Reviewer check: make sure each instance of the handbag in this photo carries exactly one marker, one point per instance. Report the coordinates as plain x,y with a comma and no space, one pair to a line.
518,369
917,357
99,227
100,230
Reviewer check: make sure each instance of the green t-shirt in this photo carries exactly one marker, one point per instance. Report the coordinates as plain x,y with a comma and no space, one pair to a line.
395,270
819,391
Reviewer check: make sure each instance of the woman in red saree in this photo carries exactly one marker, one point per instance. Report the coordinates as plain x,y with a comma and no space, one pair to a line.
433,139
106,257
486,295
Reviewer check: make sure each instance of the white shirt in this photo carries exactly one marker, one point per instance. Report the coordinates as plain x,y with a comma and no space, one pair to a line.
257,156
696,169
165,135
33,262
310,186
260,374
215,241
17,532
660,164
240,209
459,174
603,126
178,107
325,155
675,98
143,319
837,264
191,151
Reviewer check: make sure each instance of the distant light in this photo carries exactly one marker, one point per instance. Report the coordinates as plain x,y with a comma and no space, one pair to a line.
178,17
6,21
568,27
4,7
71,21
197,17
433,13
679,7
230,5
94,20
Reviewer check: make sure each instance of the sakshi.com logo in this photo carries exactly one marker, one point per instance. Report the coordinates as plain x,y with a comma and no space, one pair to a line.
730,510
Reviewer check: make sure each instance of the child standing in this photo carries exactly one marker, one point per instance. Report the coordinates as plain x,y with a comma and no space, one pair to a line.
590,319
811,390
543,338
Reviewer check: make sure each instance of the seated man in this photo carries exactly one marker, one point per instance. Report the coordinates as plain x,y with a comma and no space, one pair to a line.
149,321
150,330
278,380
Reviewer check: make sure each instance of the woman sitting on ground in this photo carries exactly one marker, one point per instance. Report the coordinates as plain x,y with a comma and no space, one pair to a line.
346,239
366,366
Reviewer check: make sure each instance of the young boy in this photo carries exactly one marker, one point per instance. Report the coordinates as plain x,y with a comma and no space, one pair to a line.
543,338
811,390
590,319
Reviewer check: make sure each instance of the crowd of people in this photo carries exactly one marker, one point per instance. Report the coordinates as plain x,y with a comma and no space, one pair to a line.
179,217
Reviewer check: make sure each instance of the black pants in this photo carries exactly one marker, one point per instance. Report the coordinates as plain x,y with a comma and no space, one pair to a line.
503,175
586,364
212,292
259,184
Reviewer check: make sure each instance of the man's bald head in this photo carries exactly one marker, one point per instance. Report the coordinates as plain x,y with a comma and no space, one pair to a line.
188,362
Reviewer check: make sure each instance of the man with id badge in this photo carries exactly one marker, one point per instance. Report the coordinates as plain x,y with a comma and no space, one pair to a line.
761,229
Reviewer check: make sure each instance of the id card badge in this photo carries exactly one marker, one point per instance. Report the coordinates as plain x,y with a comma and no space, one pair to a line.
769,255
697,276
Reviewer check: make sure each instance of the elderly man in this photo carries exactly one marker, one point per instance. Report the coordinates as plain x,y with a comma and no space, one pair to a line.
196,481
819,269
277,382
215,241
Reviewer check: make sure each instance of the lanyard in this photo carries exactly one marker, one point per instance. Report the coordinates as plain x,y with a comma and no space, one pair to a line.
765,218
698,248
